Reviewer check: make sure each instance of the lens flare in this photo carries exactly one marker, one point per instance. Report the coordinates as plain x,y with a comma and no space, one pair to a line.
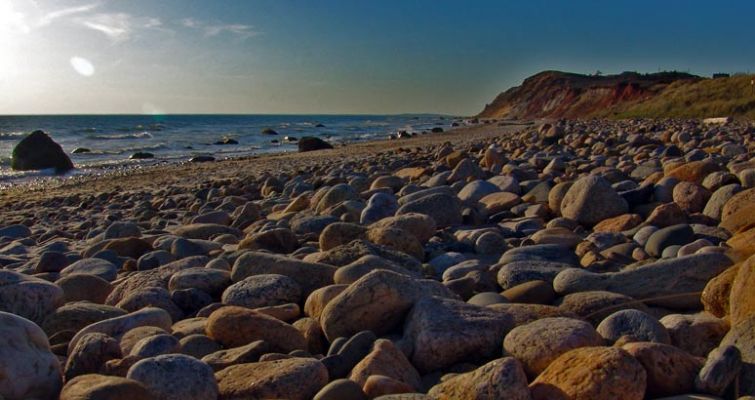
82,66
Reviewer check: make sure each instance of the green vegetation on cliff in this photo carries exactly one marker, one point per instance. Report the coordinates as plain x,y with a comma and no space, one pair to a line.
720,97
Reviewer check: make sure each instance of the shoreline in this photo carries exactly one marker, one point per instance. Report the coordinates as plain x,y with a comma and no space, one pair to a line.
182,172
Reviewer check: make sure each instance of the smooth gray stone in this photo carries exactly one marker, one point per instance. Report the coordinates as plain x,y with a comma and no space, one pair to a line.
541,252
673,283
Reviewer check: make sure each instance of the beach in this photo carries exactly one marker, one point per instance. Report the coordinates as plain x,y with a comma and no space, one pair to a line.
504,259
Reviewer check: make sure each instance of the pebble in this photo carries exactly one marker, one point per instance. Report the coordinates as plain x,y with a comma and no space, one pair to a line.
28,369
538,343
411,271
174,377
294,379
640,326
598,373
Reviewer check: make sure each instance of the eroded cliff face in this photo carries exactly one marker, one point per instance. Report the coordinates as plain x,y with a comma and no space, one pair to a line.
553,94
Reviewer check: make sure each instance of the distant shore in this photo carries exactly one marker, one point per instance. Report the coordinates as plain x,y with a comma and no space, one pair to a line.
146,177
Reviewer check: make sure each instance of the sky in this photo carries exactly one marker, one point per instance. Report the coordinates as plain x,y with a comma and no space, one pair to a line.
341,56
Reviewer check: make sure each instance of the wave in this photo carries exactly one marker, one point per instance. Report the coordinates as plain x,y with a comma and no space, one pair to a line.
11,135
122,150
139,135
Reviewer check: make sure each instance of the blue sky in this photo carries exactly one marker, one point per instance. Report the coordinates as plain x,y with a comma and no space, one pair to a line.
349,56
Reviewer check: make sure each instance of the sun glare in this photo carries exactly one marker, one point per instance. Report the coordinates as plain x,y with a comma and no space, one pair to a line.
82,66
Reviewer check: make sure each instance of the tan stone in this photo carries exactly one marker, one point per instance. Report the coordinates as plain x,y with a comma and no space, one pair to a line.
618,224
594,373
386,359
234,326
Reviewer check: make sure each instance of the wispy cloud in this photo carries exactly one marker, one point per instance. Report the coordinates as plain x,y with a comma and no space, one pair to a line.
119,27
46,19
213,29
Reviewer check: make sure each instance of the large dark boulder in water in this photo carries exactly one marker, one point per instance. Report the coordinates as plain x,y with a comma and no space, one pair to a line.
39,151
309,143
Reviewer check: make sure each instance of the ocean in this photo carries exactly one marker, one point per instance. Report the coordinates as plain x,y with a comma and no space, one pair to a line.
112,139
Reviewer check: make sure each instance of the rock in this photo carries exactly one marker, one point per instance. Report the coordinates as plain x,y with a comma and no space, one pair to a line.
420,225
151,297
538,343
540,252
92,266
696,334
129,247
312,331
520,272
386,359
617,224
341,389
665,215
84,288
198,346
263,290
559,236
278,240
503,378
397,239
204,231
352,272
592,199
75,316
101,387
556,196
269,131
236,326
340,233
141,155
445,210
28,369
658,283
737,213
90,355
444,332
741,299
379,206
248,353
175,377
379,385
486,298
310,276
595,305
473,191
532,292
499,201
715,296
293,379
670,371
343,356
346,254
117,326
201,159
376,302
27,296
209,280
310,143
691,197
596,373
694,171
38,151
742,335
720,369
714,206
156,345
673,235
639,325
317,300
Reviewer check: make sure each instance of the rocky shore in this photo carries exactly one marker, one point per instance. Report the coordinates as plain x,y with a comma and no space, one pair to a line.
564,260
